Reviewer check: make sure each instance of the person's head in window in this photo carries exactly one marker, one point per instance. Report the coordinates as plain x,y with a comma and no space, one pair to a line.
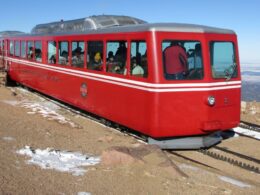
121,50
110,56
175,43
78,51
97,58
64,54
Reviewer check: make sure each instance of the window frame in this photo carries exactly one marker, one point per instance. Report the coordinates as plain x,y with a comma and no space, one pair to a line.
211,58
35,58
25,49
84,55
47,52
28,47
11,49
202,74
103,58
127,61
58,53
17,50
146,72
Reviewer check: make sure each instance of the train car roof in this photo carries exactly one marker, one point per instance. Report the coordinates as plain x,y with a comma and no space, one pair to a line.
156,27
10,33
166,27
104,24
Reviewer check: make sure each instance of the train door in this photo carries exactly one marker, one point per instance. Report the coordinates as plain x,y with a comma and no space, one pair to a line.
225,70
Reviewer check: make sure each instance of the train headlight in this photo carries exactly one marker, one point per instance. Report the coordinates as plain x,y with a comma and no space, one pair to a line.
211,100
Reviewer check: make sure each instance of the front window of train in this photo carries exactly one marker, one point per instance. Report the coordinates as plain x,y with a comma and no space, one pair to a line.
223,60
182,60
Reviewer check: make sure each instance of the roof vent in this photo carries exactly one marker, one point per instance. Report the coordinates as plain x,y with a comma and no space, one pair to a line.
85,24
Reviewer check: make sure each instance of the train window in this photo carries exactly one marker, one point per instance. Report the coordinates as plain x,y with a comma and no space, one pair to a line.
23,49
38,51
1,47
138,66
52,52
63,52
30,50
182,60
17,48
116,57
11,48
95,55
77,53
223,60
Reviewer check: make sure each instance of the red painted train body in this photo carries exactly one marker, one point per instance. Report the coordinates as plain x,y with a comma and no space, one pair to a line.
159,103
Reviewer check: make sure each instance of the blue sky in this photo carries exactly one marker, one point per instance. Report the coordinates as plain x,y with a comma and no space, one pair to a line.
239,15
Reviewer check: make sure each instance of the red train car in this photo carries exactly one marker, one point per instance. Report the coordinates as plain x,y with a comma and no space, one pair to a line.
178,84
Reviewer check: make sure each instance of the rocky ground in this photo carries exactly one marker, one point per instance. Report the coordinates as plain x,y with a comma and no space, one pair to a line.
250,112
127,166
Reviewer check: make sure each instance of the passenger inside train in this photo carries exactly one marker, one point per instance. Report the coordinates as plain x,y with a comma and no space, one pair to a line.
31,53
38,55
182,60
78,58
63,59
137,69
175,61
194,59
97,63
95,55
117,64
111,65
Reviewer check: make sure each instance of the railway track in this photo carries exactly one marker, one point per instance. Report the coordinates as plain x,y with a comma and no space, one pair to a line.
234,158
250,126
249,130
222,154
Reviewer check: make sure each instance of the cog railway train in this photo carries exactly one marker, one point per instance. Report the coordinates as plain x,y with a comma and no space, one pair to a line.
177,84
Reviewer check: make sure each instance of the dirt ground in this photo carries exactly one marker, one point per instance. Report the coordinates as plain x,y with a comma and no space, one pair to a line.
142,170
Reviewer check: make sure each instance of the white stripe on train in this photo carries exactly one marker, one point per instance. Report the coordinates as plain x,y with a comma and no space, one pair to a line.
136,84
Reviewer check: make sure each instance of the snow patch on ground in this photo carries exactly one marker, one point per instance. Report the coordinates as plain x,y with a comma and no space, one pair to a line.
46,109
23,90
234,182
59,160
84,193
247,132
8,138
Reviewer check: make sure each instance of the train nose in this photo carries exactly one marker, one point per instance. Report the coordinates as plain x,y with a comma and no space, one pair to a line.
223,110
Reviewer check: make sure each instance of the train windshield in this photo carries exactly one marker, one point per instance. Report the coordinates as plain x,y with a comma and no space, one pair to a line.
182,60
223,60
